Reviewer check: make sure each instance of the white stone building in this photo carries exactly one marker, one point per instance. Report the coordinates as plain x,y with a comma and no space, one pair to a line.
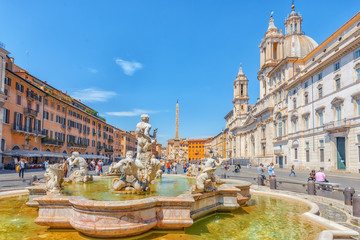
308,113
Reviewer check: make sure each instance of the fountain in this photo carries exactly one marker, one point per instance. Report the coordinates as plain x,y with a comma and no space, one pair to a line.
101,218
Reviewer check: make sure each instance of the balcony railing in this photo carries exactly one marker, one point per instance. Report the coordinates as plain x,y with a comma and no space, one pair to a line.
52,142
30,112
76,145
338,125
109,150
27,129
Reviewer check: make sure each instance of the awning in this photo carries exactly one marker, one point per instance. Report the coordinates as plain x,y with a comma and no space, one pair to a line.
36,153
23,153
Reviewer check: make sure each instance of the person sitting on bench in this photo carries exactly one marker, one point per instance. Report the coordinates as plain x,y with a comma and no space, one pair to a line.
320,176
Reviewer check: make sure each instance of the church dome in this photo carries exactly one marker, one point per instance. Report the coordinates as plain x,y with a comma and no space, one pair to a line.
298,45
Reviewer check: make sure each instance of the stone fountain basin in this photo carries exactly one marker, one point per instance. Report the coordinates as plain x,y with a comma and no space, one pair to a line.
106,219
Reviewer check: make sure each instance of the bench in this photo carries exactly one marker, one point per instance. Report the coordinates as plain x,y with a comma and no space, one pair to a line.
327,185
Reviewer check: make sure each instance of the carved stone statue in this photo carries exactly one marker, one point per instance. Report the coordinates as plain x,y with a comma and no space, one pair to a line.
112,170
54,177
207,181
159,174
192,170
81,175
129,180
152,168
145,141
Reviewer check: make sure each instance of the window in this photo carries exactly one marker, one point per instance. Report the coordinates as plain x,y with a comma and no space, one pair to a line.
358,138
18,99
294,103
52,104
19,87
306,84
321,155
320,92
307,155
45,101
8,81
319,76
296,153
358,106
295,126
6,115
306,99
337,84
37,107
357,54
307,123
337,66
321,143
358,74
307,145
338,113
321,119
58,107
46,115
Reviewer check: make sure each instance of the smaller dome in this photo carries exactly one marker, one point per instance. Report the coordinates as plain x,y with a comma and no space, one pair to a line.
298,45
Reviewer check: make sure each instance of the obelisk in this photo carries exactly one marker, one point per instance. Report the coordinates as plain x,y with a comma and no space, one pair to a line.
177,121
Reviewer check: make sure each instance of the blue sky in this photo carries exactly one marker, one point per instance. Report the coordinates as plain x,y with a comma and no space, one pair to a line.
124,58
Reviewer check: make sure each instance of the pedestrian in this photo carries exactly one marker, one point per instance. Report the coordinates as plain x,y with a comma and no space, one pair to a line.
101,165
312,176
65,168
22,166
97,170
320,176
46,164
168,167
261,172
271,170
174,167
292,171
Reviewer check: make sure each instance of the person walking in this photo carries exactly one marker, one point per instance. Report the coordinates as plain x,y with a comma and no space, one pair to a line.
101,166
292,171
46,164
22,167
168,167
271,170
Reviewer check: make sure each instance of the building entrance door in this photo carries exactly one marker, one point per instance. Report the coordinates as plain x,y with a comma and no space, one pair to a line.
281,162
340,150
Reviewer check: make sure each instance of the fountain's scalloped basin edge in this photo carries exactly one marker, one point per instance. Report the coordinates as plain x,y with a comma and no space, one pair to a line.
127,218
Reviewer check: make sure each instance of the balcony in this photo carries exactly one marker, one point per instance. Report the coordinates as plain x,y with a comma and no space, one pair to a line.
110,140
108,150
52,142
76,145
30,112
336,126
27,131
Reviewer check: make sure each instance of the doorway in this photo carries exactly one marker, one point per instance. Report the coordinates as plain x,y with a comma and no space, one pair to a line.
281,164
340,152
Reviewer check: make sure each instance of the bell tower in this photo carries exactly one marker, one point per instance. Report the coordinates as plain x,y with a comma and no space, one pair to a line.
271,53
241,97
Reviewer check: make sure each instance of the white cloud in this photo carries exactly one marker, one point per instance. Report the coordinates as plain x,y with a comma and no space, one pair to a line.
93,95
128,67
135,112
93,70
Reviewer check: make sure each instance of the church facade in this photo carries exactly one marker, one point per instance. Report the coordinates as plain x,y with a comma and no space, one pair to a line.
308,113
